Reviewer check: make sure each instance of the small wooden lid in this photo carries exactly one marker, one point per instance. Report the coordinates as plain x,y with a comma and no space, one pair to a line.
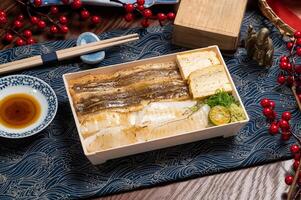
213,16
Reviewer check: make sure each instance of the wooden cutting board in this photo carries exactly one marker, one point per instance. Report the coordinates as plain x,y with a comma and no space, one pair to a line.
201,23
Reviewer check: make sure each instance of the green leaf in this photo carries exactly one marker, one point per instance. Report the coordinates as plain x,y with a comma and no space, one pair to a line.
221,98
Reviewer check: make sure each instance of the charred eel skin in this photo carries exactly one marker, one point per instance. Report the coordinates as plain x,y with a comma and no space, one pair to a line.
130,87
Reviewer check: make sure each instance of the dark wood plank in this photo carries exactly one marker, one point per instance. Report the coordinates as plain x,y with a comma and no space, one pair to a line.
264,182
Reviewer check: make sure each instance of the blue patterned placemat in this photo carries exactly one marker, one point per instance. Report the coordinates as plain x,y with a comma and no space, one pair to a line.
51,164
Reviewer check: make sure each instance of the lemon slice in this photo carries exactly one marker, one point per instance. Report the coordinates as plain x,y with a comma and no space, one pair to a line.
219,115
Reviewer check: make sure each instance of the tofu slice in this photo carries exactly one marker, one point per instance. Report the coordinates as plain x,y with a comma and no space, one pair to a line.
205,82
191,62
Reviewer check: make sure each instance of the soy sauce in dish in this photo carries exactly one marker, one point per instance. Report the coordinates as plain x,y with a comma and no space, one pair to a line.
19,111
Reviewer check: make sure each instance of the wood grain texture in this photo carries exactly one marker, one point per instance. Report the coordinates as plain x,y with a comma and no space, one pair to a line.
217,16
64,54
201,23
258,183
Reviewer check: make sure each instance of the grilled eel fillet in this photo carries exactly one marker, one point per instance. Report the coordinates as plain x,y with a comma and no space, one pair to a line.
128,90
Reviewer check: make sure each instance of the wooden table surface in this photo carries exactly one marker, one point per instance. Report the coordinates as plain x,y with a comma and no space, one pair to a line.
263,182
258,183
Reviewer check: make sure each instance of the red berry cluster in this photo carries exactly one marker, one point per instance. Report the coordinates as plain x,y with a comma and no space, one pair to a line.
145,12
23,37
55,23
290,71
282,126
295,149
275,126
291,76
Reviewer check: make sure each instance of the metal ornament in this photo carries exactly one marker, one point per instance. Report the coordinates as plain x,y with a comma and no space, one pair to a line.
259,46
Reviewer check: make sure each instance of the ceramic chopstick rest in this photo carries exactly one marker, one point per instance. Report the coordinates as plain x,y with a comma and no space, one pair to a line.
92,58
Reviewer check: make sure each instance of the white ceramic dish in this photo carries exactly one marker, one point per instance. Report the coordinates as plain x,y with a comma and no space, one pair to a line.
42,92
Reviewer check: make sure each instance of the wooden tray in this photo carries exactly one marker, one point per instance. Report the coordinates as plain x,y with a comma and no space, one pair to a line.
284,14
216,131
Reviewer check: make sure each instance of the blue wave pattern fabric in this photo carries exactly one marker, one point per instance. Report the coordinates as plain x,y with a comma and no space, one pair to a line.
51,164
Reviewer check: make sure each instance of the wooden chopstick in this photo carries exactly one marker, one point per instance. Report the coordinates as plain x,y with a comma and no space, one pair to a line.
34,58
99,42
67,53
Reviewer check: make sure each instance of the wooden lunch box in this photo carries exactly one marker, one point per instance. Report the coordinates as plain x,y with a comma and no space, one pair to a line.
201,23
186,137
